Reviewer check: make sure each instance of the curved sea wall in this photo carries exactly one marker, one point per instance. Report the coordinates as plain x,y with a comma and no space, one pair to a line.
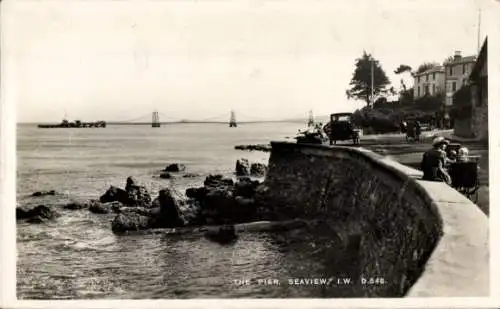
422,238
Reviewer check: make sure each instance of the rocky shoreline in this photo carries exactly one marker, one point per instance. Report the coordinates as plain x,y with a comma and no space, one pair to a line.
218,208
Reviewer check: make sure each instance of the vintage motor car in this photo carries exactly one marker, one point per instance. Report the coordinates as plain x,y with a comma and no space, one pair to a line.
342,128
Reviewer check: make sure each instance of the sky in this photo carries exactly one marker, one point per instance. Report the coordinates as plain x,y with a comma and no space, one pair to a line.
197,59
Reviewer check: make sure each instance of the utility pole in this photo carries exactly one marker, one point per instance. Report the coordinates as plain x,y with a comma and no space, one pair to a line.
372,90
478,31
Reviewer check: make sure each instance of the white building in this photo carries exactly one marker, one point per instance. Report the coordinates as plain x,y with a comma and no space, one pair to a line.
430,82
457,71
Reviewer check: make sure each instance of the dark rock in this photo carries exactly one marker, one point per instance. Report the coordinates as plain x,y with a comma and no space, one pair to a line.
21,213
130,222
219,205
36,219
131,182
175,167
190,175
165,175
100,208
244,203
191,212
115,206
116,194
242,167
217,181
43,193
170,214
258,169
76,206
39,214
245,187
196,193
262,193
138,195
150,212
156,202
261,147
219,198
224,235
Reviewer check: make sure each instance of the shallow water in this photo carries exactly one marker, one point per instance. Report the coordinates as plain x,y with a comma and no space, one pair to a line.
78,257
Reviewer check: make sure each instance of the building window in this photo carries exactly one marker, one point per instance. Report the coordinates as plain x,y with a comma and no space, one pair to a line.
434,76
463,68
418,79
450,71
426,77
418,91
426,89
433,89
454,86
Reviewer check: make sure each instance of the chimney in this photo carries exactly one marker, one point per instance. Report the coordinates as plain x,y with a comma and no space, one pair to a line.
458,55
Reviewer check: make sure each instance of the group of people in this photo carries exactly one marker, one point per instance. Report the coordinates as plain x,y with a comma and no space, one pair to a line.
436,161
412,129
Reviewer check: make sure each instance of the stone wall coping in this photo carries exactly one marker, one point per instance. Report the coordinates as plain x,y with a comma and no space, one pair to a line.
459,265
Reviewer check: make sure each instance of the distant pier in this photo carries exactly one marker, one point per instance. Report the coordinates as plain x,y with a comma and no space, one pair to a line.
75,124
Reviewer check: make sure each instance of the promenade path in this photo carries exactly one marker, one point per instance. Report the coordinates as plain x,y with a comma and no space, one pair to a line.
396,147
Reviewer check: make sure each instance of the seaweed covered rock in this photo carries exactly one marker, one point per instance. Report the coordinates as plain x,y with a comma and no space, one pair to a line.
196,193
133,195
138,195
258,169
130,222
261,147
101,208
175,167
223,235
222,201
245,187
170,203
165,175
76,206
38,214
44,193
218,180
242,167
115,194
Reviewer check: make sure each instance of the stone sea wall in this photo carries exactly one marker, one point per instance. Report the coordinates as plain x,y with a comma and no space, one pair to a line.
377,203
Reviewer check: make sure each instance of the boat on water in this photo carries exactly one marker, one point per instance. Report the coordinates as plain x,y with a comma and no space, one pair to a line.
74,124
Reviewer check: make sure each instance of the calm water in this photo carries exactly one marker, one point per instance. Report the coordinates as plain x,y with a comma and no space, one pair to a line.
78,256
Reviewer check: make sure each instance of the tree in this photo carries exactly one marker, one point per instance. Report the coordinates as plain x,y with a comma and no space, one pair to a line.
361,79
405,93
403,68
448,60
426,66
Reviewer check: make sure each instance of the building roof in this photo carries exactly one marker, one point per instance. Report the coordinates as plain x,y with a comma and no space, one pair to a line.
438,69
481,59
461,60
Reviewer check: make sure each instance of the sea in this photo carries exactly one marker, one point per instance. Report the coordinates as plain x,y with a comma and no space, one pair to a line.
78,257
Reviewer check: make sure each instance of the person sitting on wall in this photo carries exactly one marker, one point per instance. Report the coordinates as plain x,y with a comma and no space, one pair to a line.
434,161
463,155
452,158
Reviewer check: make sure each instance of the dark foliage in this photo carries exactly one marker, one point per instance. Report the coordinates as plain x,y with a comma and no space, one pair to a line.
403,68
462,103
426,66
361,79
